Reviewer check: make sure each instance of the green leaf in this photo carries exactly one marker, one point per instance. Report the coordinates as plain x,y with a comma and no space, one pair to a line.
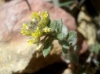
95,48
96,62
59,25
65,51
73,57
64,30
47,47
72,37
60,36
75,48
65,46
53,25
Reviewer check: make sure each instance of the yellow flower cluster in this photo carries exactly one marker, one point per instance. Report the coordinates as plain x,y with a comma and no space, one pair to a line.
37,27
46,29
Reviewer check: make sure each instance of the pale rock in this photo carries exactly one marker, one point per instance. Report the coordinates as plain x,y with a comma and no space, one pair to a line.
67,71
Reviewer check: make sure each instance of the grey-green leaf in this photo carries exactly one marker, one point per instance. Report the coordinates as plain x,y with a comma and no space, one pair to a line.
47,47
65,46
96,62
75,48
95,48
64,30
65,51
60,36
74,41
72,37
59,25
53,25
73,57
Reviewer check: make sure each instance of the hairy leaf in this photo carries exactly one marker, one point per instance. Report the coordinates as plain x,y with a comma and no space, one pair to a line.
65,46
59,25
72,37
53,25
64,30
47,47
60,36
73,57
95,48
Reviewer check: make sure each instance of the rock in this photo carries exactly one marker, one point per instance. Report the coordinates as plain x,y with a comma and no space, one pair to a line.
67,71
1,2
87,28
16,55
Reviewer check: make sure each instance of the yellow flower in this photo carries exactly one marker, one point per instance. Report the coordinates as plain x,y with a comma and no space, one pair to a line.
44,20
35,16
46,29
25,26
35,27
41,24
38,33
33,40
45,14
25,32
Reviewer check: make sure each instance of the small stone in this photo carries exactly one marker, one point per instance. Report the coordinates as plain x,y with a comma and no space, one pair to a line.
67,71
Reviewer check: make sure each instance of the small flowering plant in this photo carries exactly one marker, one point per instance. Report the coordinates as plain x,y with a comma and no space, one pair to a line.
42,31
